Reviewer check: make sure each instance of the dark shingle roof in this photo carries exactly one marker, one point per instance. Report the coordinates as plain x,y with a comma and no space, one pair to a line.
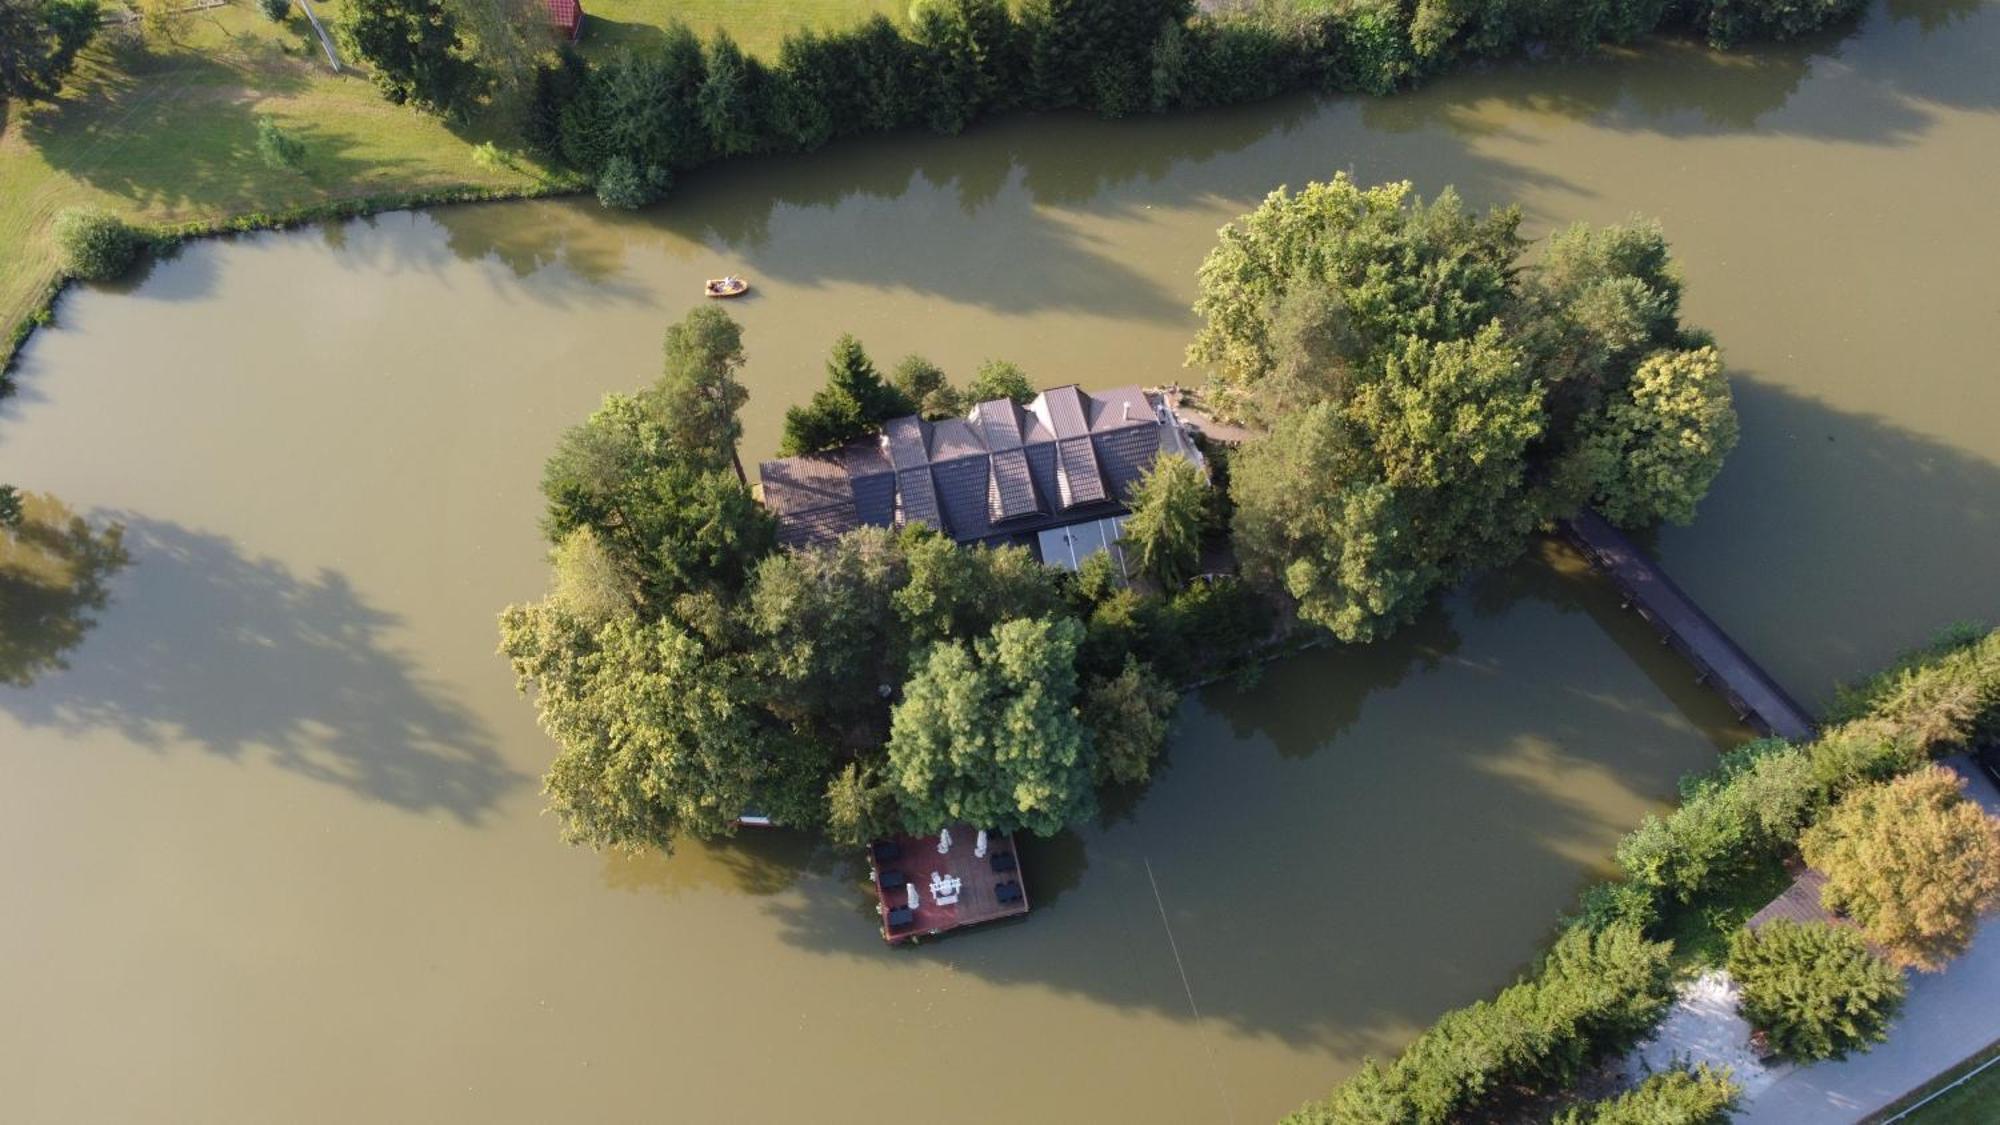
1001,471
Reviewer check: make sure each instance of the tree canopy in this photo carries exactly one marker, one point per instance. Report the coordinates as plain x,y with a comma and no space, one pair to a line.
1814,989
415,52
997,378
854,402
39,40
1913,861
689,671
988,733
1430,400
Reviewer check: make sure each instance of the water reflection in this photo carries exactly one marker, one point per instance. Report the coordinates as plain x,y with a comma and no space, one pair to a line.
1338,679
1681,87
54,570
241,657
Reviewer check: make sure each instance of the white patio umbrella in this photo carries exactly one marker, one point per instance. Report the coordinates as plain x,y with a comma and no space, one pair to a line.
944,841
914,901
979,848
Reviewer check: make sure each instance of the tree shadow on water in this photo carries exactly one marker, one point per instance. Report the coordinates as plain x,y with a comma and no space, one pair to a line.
1835,539
1677,86
242,658
758,862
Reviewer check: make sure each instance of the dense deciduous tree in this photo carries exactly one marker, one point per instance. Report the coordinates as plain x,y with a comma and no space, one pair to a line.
1397,266
961,593
96,245
860,806
39,40
1745,811
1170,515
1430,403
1128,716
1662,439
996,379
1814,989
924,383
587,582
658,735
1913,862
825,620
987,733
647,472
415,53
1361,510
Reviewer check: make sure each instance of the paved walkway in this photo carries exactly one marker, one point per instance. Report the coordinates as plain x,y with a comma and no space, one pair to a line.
1949,1017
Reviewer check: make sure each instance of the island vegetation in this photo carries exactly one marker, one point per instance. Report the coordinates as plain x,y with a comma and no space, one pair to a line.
1436,402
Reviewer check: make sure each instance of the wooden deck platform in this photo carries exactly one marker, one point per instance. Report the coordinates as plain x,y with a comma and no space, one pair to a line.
978,898
1682,624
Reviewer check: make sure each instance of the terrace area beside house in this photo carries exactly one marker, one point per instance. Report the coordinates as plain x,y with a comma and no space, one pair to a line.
1053,474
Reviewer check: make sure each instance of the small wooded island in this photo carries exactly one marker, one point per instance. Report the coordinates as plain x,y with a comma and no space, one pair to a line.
972,607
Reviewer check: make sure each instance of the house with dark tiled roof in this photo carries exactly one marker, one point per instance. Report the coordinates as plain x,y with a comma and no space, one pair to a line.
1053,474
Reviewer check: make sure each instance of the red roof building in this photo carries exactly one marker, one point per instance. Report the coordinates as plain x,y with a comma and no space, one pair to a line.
566,16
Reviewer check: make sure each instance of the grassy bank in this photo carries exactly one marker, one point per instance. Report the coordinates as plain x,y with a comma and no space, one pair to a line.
165,137
758,26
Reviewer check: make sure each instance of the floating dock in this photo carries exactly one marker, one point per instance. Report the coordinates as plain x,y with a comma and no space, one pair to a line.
955,888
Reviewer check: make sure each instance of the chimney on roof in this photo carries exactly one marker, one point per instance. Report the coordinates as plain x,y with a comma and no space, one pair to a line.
1125,411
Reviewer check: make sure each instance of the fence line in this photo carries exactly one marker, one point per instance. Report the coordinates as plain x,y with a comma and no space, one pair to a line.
1943,1090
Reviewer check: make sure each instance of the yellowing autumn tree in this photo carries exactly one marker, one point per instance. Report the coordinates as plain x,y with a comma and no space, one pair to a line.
1913,862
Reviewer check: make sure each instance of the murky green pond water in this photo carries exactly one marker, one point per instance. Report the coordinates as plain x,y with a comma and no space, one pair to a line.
271,844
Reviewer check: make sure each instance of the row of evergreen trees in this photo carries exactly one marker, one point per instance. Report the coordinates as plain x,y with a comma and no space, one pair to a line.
633,122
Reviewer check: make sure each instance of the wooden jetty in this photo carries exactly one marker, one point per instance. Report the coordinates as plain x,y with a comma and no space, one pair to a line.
1756,697
990,887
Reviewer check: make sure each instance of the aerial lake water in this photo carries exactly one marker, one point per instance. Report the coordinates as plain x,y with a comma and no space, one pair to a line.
272,842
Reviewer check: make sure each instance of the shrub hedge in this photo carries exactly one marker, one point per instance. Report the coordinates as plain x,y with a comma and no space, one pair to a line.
95,244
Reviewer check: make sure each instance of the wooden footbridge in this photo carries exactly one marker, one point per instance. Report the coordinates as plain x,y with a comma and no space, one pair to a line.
1756,697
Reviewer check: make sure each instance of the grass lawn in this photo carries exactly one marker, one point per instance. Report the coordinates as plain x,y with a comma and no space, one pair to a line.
1701,932
1975,1103
166,133
758,25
